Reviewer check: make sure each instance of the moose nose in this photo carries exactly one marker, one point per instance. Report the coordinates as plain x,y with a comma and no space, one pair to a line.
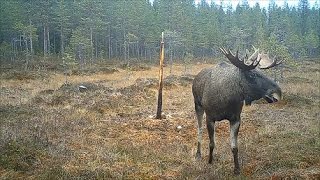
277,96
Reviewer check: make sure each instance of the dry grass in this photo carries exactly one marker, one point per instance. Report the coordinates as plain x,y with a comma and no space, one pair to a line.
53,131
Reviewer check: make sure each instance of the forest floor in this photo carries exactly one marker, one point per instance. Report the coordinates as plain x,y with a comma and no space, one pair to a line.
53,130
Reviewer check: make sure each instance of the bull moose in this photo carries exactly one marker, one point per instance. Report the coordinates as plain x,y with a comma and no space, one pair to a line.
221,91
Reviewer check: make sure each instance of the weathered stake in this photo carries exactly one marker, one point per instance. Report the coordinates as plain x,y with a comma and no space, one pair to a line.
159,108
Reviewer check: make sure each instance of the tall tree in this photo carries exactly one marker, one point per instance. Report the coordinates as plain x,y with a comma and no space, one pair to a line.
62,17
93,29
303,13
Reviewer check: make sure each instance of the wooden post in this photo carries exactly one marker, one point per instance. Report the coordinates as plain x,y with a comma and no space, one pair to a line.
159,108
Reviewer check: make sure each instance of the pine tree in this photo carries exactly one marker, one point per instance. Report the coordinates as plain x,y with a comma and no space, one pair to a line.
303,14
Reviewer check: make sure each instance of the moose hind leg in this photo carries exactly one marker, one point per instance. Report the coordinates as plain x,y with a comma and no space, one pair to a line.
210,127
234,130
199,113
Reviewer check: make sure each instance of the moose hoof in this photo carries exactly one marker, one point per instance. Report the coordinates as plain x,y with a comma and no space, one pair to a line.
198,156
236,171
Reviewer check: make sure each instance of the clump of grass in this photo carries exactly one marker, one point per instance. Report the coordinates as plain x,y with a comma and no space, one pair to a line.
296,79
174,80
56,171
23,75
135,67
295,100
92,70
19,156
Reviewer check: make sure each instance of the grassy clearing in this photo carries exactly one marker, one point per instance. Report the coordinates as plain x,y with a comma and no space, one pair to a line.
52,130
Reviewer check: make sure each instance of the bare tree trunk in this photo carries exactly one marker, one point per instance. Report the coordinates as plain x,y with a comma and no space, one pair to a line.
20,42
171,59
31,45
109,44
145,51
202,54
31,42
62,42
27,51
159,106
96,47
128,53
48,41
14,50
125,45
91,44
54,42
118,50
125,51
138,50
152,52
44,42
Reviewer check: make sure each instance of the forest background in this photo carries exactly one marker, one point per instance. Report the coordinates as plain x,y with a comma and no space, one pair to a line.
90,31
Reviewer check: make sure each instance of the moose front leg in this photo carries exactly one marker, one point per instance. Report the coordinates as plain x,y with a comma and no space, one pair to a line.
234,130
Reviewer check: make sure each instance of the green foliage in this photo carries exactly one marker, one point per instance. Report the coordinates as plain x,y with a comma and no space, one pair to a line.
273,46
79,41
311,40
121,29
5,50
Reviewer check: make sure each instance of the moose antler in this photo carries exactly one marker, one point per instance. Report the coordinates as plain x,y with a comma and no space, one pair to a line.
266,62
235,60
262,60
